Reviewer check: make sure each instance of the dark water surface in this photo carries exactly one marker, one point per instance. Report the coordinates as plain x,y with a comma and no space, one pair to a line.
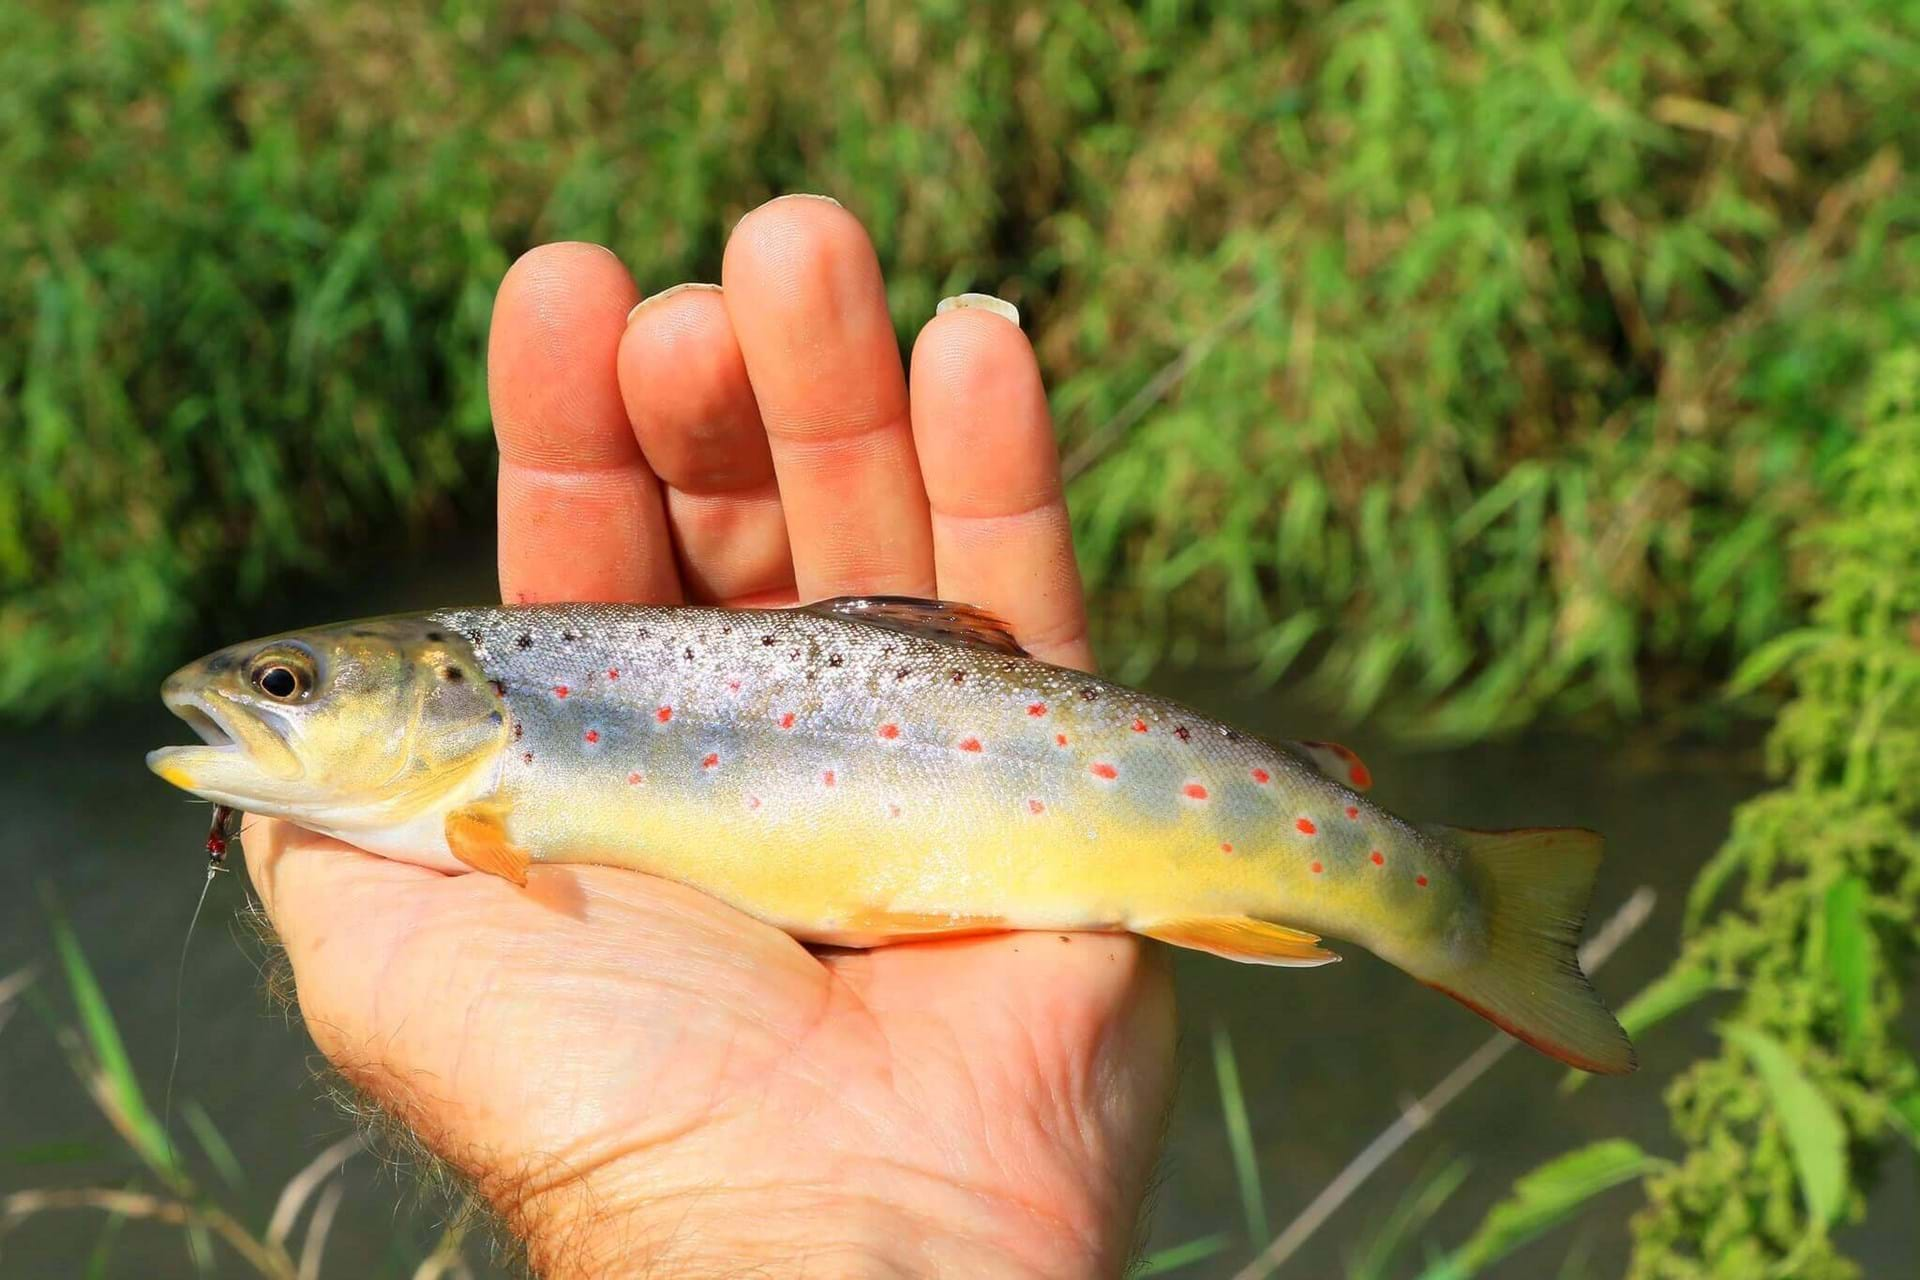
1328,1057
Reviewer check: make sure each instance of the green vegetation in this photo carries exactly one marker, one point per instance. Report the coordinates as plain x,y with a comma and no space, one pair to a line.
1811,911
1487,364
1515,344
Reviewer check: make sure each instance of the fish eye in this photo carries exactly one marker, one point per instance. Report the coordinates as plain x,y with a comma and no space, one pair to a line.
281,679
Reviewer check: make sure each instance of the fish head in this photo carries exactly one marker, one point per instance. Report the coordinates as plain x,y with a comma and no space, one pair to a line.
347,727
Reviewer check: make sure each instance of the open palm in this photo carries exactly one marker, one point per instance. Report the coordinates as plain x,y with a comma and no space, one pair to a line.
640,1078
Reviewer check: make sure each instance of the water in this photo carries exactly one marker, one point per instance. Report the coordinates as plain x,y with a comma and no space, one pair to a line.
1328,1057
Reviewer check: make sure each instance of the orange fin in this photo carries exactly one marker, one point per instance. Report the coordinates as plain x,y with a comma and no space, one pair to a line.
1533,885
478,837
1246,940
943,620
1336,761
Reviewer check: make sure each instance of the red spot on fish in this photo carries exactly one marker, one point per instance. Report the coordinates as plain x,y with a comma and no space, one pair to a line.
1101,769
1139,726
733,686
893,811
1421,881
1352,812
593,735
1360,776
1059,739
712,759
1378,859
613,673
559,691
970,744
786,720
633,779
1194,791
663,715
526,757
1317,868
1305,825
1036,708
1034,806
753,802
889,731
826,779
1226,846
1262,777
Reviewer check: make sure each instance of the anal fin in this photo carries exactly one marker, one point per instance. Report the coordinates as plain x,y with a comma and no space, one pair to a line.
1244,939
477,835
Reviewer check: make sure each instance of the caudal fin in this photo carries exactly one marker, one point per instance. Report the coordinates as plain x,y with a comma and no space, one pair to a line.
1534,884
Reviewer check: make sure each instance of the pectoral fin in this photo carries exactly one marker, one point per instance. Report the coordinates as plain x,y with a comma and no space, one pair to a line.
477,835
1240,938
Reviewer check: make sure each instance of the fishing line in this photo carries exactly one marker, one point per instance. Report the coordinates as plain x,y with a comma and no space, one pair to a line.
216,863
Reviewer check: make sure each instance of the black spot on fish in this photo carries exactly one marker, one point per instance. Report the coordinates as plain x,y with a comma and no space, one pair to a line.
494,717
901,674
688,654
886,651
959,676
435,636
833,660
568,636
518,729
794,656
726,631
454,674
766,640
499,687
526,757
1181,732
1089,693
525,641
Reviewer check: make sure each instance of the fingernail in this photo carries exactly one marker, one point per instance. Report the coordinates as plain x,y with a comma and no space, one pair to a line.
791,195
664,294
980,302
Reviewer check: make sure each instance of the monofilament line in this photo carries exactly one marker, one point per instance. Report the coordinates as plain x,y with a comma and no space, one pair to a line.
179,1014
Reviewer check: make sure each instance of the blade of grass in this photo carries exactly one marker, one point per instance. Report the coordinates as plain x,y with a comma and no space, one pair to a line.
1815,1136
225,1163
1429,1193
1162,1261
111,1076
1540,1201
1233,1104
301,1186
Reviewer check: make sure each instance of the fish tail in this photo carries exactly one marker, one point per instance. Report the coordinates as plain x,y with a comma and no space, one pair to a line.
1533,885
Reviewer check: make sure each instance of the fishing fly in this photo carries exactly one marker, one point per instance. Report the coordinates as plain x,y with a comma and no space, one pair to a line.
218,835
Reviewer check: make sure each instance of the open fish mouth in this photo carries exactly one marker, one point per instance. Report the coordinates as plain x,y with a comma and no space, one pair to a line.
238,751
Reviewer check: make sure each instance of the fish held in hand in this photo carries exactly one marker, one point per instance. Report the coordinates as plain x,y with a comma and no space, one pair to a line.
874,770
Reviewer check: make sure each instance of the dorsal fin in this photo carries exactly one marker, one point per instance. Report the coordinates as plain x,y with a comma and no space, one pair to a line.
1336,761
942,620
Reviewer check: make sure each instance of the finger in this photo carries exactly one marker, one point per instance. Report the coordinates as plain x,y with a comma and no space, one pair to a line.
1001,537
693,412
803,290
580,514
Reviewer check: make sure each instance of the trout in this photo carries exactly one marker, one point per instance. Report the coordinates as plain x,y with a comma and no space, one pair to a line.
864,771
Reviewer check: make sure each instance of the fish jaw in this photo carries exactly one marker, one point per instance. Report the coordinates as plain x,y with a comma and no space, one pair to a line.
244,761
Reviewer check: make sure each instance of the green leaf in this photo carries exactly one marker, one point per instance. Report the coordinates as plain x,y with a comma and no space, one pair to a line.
1767,661
1659,1000
1540,1201
1907,1111
1849,956
1239,1135
1162,1261
1815,1136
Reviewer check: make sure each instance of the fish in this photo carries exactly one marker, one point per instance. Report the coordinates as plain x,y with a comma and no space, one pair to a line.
865,771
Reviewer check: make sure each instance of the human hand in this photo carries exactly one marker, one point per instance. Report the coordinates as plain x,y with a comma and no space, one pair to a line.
649,1081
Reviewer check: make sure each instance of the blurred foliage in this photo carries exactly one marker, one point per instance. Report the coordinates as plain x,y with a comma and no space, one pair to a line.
1811,911
1514,343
